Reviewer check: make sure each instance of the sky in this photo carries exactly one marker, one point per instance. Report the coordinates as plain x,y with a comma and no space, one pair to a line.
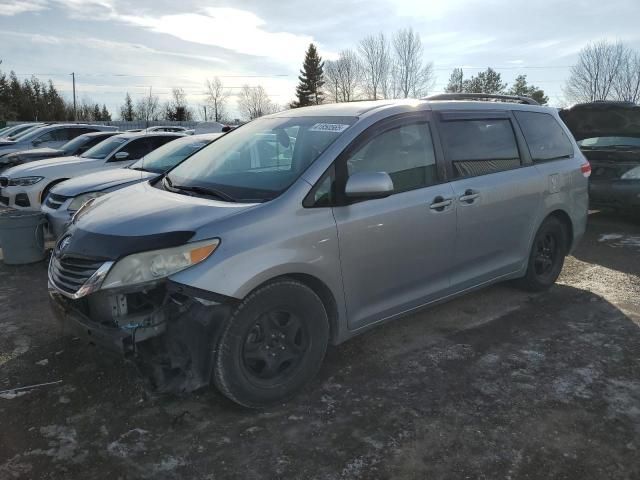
117,46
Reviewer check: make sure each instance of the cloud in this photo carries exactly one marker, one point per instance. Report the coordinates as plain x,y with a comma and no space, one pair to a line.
16,7
233,29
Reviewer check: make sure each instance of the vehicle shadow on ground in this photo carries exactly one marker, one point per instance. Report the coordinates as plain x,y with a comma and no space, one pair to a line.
549,390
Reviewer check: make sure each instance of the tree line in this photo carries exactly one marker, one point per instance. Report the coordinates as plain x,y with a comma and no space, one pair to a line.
36,100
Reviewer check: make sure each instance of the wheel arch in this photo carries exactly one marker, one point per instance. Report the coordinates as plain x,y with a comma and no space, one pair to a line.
565,219
45,191
322,290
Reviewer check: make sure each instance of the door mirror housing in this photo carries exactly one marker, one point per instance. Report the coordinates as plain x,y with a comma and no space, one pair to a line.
369,185
121,156
35,143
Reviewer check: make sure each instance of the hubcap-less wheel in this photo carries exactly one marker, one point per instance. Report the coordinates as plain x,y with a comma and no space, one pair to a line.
546,253
546,256
274,346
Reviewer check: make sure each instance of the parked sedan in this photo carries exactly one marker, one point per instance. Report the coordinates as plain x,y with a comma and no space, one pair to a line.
77,146
608,133
67,197
15,130
52,136
26,186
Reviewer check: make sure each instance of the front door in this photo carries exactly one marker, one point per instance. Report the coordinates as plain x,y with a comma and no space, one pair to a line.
395,252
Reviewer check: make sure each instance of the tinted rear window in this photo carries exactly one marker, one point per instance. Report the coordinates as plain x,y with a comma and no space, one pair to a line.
545,137
480,147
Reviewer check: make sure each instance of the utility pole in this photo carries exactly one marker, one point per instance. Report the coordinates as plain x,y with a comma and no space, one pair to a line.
75,115
205,112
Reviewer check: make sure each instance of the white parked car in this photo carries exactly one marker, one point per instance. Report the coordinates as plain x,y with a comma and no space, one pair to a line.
26,186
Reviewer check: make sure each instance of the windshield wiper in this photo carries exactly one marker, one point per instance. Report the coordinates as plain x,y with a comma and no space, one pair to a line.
210,192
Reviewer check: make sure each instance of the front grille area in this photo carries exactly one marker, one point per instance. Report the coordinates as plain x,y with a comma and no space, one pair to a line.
70,273
4,182
54,201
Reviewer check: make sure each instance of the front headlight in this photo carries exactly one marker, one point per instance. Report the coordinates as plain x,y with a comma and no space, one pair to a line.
156,264
633,174
24,181
80,200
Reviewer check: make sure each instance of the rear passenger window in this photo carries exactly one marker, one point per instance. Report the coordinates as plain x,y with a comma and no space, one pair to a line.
405,153
480,147
544,136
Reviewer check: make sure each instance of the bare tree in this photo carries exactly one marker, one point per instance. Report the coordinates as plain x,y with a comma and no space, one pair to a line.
217,97
332,81
375,61
254,102
627,82
412,77
349,75
147,108
598,67
177,109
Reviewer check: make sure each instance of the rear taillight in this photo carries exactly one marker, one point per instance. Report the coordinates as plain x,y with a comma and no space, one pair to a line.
585,168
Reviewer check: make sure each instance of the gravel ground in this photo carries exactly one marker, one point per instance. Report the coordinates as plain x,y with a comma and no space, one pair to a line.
498,384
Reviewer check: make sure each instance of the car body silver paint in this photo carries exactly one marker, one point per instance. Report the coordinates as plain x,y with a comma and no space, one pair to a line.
379,258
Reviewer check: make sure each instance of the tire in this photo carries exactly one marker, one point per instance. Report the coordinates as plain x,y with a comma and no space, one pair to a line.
272,345
546,257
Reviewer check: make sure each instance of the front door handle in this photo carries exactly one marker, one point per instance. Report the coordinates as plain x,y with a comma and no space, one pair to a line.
440,203
469,196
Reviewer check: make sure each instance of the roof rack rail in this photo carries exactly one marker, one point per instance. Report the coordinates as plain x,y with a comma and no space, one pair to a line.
482,96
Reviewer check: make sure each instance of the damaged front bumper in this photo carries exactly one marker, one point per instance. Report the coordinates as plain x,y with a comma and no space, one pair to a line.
169,330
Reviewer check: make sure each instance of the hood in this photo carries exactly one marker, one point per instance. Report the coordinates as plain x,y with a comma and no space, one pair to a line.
602,119
30,155
141,218
40,166
40,153
99,181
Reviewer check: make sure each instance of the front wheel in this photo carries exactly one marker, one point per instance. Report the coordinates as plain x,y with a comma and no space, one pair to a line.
272,344
546,257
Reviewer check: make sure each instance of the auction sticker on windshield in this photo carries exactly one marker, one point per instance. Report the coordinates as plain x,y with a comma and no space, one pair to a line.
329,127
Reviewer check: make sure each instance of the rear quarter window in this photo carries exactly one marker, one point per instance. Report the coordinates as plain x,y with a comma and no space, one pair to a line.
544,136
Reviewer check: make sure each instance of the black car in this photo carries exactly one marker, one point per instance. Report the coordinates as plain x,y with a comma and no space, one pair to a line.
77,146
608,134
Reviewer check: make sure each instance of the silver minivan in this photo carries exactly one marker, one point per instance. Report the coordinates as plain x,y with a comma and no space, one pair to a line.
239,266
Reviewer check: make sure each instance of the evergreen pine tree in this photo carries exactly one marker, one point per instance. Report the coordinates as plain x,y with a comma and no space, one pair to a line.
106,116
309,90
126,110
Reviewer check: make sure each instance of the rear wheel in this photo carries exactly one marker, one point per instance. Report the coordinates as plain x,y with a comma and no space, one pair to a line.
546,257
272,344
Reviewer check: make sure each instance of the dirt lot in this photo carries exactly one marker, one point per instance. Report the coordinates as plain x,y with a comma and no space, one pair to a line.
498,384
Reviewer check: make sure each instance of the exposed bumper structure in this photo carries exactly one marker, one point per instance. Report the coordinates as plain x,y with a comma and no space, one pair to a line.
620,194
170,335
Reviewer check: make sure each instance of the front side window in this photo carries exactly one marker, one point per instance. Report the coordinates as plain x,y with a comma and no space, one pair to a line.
405,153
136,149
544,136
260,160
480,147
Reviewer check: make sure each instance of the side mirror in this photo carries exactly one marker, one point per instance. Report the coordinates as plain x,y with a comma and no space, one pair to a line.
369,185
122,155
35,143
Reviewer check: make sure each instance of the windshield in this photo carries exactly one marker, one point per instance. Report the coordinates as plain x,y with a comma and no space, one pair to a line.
261,160
73,145
169,155
104,149
610,142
